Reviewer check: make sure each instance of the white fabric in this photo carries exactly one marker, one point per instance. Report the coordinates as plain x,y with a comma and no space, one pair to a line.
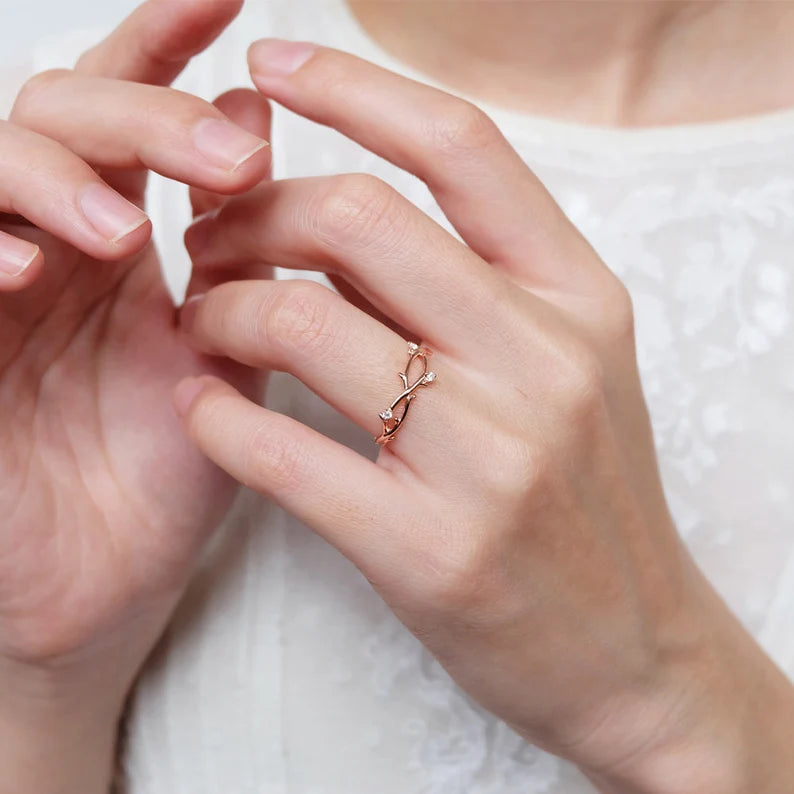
283,673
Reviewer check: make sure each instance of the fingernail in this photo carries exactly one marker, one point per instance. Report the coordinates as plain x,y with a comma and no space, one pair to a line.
225,144
188,312
185,393
109,213
16,255
271,57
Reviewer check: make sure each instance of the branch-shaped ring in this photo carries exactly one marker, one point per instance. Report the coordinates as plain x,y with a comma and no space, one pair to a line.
392,423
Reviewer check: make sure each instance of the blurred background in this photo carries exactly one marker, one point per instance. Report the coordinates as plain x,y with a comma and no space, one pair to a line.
24,22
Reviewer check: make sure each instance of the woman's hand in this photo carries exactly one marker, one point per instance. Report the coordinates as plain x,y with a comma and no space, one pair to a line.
516,523
104,504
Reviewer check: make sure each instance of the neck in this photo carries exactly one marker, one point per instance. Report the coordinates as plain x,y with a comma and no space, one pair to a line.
597,61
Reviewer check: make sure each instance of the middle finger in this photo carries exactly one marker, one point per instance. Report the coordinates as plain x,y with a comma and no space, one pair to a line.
400,259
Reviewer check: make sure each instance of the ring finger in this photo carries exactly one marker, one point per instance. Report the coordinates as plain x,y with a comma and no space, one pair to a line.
340,352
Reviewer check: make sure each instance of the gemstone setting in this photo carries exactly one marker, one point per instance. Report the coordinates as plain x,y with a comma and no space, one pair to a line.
391,423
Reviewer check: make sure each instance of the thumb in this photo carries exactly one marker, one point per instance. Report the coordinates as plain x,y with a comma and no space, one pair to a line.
251,111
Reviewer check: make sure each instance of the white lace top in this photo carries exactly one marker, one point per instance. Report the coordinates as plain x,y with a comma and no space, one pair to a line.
283,672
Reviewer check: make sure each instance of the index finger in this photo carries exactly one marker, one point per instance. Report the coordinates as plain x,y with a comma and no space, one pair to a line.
155,42
484,188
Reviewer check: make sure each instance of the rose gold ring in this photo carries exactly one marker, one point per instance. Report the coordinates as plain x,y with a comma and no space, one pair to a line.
392,423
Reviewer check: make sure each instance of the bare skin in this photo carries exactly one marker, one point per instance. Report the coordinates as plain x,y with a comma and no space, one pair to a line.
611,63
92,560
91,564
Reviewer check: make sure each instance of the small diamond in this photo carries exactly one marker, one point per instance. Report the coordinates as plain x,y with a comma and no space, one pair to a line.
430,377
386,415
412,347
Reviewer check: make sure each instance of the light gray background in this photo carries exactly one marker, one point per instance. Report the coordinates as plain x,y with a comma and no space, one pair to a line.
23,22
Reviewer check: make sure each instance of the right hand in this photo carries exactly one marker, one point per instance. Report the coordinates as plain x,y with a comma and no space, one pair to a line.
104,504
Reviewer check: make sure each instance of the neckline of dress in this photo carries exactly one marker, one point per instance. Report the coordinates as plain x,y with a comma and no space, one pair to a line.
756,129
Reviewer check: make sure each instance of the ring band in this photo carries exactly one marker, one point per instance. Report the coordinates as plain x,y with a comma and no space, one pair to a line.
391,423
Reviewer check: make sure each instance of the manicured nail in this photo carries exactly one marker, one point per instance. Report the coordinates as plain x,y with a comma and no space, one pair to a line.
225,144
15,254
272,57
185,393
109,213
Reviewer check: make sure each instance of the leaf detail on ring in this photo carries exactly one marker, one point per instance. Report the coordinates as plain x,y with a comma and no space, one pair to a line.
390,422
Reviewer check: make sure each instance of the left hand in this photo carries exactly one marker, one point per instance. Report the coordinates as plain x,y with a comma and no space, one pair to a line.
516,523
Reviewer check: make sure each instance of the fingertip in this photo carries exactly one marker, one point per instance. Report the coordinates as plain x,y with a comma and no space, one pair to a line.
247,108
138,231
250,111
250,170
123,227
201,403
20,263
198,235
242,175
187,314
153,44
273,58
202,201
186,392
186,323
128,243
255,162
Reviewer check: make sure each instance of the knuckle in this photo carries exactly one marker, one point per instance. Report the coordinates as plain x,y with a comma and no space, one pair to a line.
298,320
172,112
460,580
459,129
619,319
581,382
186,108
356,209
273,459
509,470
32,95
